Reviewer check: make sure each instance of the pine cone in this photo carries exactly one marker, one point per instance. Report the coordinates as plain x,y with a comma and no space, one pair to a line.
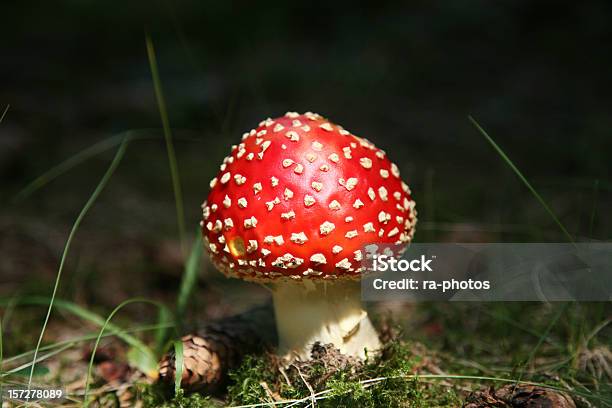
219,346
511,396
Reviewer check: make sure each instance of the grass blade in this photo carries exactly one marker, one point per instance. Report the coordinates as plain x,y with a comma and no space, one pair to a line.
174,173
4,113
76,340
105,178
178,365
82,313
149,356
190,276
80,157
520,175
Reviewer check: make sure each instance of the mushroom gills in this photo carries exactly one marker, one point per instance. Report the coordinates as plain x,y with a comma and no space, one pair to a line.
328,312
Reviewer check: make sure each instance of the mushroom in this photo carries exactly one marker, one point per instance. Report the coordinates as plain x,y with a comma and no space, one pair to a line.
293,206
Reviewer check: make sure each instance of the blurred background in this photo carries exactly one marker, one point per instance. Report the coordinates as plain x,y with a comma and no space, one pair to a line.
536,75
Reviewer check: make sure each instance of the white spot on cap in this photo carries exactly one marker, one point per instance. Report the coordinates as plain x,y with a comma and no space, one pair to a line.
405,188
265,145
316,146
309,200
278,127
382,193
347,152
334,157
288,194
348,184
265,252
242,202
299,169
348,219
250,156
217,227
326,227
250,222
371,194
317,186
225,177
365,163
213,182
344,264
291,114
380,154
296,123
351,234
213,248
278,240
384,217
318,259
270,204
287,163
287,261
393,232
358,204
239,179
395,170
274,181
288,215
214,207
324,167
337,249
326,126
397,195
293,136
311,157
227,202
358,255
298,238
369,227
257,187
252,246
306,128
334,205
384,173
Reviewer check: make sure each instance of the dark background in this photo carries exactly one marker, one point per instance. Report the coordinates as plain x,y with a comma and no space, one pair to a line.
535,74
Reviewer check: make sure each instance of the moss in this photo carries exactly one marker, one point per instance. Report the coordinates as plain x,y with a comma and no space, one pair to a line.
159,396
260,380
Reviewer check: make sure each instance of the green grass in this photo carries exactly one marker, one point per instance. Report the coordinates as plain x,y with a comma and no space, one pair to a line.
178,358
174,172
147,361
523,179
97,191
189,278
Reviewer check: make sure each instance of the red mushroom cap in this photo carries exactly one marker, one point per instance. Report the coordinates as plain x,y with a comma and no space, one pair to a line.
300,197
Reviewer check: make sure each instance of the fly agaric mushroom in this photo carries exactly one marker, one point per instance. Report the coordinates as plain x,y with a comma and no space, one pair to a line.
293,205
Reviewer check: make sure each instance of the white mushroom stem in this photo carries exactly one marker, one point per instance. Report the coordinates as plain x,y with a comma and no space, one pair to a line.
328,312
